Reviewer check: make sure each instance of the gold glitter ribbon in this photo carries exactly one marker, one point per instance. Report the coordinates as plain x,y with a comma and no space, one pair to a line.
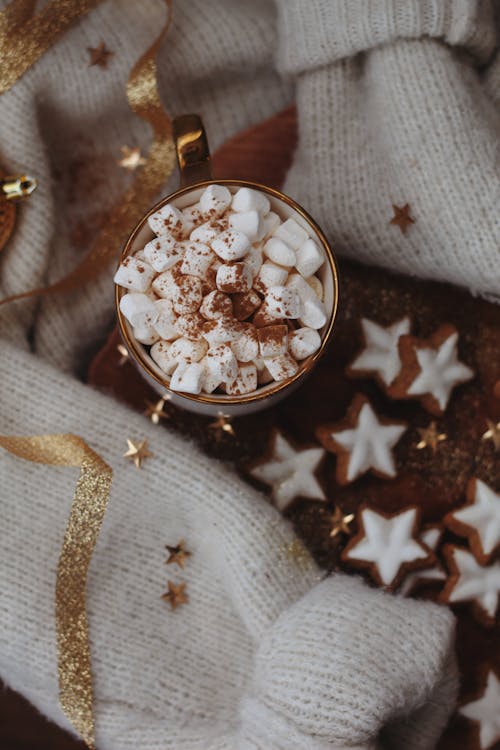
87,512
144,100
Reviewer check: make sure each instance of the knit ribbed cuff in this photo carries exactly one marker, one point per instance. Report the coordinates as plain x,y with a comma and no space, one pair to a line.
318,32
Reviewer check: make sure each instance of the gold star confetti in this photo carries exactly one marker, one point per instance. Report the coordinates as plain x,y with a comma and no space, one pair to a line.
99,55
177,555
220,425
123,351
137,452
430,437
493,434
340,523
155,411
402,217
175,595
131,158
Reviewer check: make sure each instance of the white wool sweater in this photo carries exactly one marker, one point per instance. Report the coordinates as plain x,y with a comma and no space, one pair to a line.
397,102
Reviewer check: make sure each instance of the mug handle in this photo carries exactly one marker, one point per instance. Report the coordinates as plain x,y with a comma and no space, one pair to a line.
191,145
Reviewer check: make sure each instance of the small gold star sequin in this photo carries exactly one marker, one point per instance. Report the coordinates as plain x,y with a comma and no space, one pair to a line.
99,55
177,555
493,434
137,452
131,158
175,595
402,217
430,437
220,425
124,355
155,411
340,523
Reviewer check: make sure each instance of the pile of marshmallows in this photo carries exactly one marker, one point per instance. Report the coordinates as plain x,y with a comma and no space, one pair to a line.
226,294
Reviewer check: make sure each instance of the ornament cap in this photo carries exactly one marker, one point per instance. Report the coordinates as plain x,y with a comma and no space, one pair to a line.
15,187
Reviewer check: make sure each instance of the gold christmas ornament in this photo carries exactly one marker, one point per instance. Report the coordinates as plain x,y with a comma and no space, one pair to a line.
13,188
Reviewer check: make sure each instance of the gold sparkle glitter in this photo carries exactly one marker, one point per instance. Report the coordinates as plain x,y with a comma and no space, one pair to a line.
430,437
175,595
177,554
131,158
137,452
493,434
340,523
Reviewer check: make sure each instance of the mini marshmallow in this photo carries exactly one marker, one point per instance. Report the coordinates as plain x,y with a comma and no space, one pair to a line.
221,363
248,222
168,220
301,285
309,258
246,346
164,324
197,259
188,296
245,304
270,275
216,305
264,317
284,302
133,303
190,325
234,278
192,216
291,233
134,274
263,374
279,252
205,233
273,340
253,259
187,377
188,351
303,342
246,199
316,286
314,314
231,245
209,284
214,200
221,330
160,353
245,381
165,283
270,223
162,253
282,367
143,328
209,381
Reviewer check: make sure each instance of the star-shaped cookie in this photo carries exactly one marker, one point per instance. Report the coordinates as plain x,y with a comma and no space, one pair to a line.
430,369
485,712
478,520
362,442
380,356
431,538
471,582
289,471
387,545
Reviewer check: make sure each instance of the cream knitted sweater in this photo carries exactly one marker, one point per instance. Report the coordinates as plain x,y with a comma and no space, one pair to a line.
396,103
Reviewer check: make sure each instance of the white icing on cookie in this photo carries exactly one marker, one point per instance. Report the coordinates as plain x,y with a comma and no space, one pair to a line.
381,354
431,538
369,444
388,543
475,582
483,516
485,711
440,371
290,472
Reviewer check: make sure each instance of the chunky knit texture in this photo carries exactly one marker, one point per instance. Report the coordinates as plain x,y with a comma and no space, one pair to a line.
264,657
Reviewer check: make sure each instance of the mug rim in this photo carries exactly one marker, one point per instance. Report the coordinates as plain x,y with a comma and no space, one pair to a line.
259,394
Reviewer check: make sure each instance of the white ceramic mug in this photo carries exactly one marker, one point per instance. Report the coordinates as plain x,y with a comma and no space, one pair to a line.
194,165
